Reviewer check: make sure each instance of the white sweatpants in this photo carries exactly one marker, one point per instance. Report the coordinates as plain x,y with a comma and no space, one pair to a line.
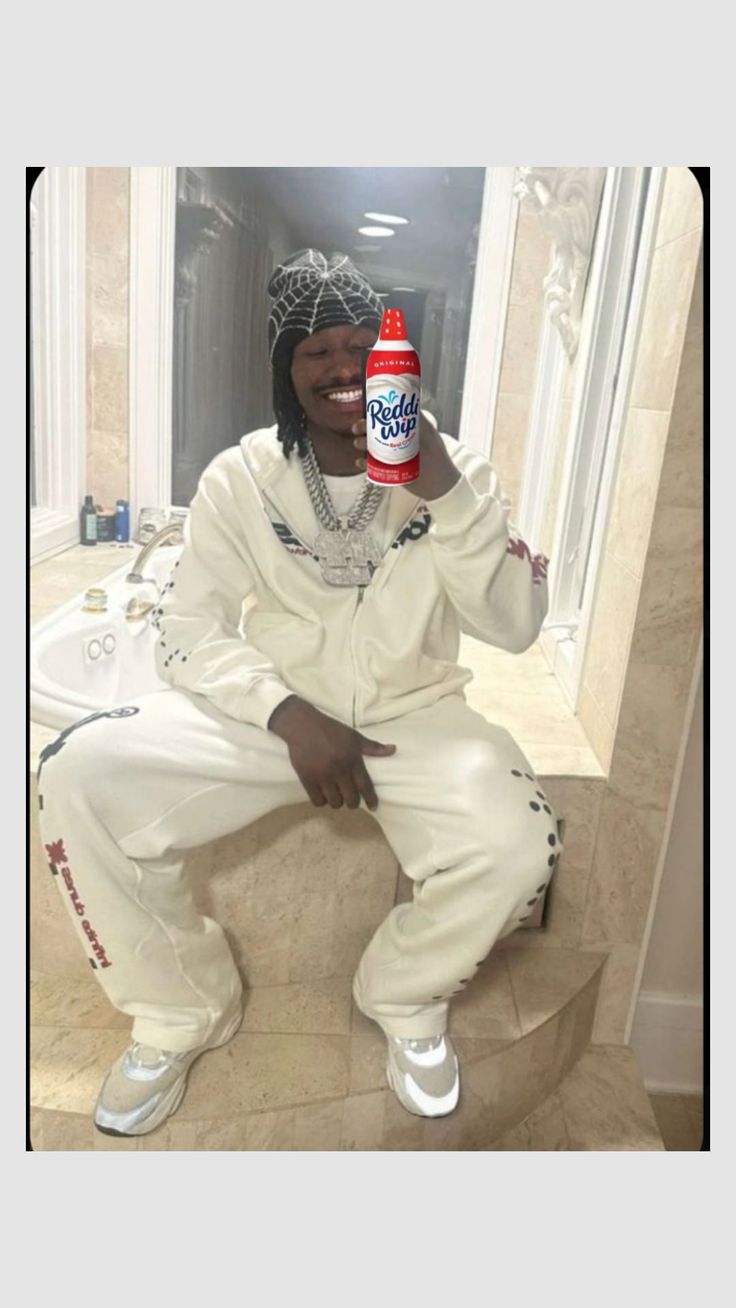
123,794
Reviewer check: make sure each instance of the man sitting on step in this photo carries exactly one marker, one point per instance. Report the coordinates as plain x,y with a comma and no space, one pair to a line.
339,693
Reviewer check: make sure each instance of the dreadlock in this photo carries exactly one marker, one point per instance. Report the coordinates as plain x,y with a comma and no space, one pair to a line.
290,416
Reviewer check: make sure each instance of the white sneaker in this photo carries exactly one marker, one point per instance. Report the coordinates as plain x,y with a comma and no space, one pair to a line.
146,1085
424,1074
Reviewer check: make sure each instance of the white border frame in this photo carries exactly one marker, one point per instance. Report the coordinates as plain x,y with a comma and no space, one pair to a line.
609,337
491,288
152,248
539,452
58,242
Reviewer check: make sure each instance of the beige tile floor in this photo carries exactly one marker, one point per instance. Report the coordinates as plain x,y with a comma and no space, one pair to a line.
600,1106
516,690
680,1120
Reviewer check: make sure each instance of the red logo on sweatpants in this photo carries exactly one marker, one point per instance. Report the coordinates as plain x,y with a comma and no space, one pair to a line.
57,854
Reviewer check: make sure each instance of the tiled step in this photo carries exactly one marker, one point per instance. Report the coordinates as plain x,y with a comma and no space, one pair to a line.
307,1069
601,1106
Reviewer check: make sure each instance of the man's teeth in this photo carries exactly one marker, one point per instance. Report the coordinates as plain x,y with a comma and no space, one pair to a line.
344,397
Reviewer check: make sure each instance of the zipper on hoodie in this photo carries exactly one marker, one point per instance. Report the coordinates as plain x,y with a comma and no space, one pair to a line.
359,600
358,603
385,557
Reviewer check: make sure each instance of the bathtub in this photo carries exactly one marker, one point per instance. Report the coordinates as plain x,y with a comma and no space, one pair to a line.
81,662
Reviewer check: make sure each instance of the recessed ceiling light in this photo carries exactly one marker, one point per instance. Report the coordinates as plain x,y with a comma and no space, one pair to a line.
386,217
376,231
403,288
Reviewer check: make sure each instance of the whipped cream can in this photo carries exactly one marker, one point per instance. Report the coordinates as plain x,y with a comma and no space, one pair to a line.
392,393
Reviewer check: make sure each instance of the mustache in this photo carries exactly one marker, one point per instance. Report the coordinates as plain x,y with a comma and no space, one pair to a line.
357,383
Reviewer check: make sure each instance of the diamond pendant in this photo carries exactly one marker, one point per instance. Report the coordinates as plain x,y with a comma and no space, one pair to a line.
346,557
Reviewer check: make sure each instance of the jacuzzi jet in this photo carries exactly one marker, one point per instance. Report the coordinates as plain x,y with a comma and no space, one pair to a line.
137,609
95,600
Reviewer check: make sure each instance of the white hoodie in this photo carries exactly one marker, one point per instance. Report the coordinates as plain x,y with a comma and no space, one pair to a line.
362,654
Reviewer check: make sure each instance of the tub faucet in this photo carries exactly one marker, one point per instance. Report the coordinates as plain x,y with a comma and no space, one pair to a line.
171,529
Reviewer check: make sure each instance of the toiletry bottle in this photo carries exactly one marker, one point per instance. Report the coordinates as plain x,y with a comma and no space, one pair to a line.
88,522
122,520
392,405
105,523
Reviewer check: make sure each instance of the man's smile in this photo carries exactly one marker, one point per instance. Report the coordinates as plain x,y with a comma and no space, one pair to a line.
349,398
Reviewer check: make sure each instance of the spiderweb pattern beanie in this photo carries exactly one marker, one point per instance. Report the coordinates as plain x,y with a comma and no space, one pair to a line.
311,292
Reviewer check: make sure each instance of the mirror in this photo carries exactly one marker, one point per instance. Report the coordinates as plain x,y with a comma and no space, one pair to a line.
234,225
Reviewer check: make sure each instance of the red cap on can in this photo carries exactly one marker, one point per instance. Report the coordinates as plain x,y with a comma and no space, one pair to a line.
393,327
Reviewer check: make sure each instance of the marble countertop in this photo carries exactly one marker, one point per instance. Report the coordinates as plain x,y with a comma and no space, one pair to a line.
58,579
519,691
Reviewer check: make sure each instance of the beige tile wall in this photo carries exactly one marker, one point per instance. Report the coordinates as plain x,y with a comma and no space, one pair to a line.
651,589
108,252
645,479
